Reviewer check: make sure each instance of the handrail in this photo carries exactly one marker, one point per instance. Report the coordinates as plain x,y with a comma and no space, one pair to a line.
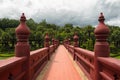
13,67
110,67
38,59
84,58
26,65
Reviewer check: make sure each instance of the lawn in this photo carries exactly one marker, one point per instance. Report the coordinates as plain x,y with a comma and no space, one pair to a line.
115,55
5,55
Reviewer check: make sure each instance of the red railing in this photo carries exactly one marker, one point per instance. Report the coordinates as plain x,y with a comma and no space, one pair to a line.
97,65
13,68
110,67
84,58
38,59
26,65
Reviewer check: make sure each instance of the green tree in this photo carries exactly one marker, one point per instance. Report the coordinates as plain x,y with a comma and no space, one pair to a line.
39,38
31,24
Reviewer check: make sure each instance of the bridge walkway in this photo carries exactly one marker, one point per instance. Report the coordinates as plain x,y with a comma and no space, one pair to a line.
61,67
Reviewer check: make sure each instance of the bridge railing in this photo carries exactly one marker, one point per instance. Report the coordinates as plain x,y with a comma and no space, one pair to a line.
12,69
97,64
26,65
84,58
110,68
38,59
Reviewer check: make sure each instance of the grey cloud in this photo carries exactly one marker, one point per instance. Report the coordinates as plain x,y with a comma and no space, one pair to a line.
62,16
29,4
1,1
111,10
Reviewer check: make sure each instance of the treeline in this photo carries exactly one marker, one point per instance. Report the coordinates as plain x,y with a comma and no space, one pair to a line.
38,30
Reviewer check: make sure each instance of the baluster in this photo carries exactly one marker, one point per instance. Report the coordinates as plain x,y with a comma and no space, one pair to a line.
10,77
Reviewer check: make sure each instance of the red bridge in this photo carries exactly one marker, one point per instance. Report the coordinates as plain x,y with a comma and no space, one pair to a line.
61,62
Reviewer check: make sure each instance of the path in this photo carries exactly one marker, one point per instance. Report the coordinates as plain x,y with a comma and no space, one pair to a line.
61,67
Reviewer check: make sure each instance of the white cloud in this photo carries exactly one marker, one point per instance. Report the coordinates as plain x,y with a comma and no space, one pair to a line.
114,22
78,12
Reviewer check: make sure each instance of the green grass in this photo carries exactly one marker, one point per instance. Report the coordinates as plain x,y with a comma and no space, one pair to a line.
118,57
5,55
115,55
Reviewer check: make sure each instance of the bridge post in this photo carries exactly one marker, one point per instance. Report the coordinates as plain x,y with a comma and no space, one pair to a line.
66,42
53,41
69,41
22,48
76,43
56,44
101,47
46,44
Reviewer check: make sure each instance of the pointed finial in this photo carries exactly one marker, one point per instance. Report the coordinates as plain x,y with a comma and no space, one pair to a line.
23,18
75,33
46,40
101,33
22,34
101,28
101,17
46,33
22,29
22,14
75,38
53,41
46,36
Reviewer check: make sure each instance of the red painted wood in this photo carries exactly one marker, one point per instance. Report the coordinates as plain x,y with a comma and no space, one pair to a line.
26,65
61,67
97,65
101,47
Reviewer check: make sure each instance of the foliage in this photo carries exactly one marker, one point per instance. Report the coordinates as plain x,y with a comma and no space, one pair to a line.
38,31
6,55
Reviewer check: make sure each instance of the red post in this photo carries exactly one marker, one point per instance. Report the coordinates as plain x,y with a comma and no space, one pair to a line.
76,43
46,44
22,48
53,41
101,47
69,41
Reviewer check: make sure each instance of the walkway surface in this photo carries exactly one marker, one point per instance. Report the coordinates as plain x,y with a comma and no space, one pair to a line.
61,67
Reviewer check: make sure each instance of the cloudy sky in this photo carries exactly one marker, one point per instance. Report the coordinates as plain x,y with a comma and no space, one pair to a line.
77,12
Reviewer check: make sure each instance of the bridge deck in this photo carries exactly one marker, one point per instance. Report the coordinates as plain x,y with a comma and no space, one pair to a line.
61,67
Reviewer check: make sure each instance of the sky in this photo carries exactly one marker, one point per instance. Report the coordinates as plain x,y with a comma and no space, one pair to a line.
60,12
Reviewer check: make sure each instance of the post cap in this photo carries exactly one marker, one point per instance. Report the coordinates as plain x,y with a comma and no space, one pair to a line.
75,36
22,31
101,29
